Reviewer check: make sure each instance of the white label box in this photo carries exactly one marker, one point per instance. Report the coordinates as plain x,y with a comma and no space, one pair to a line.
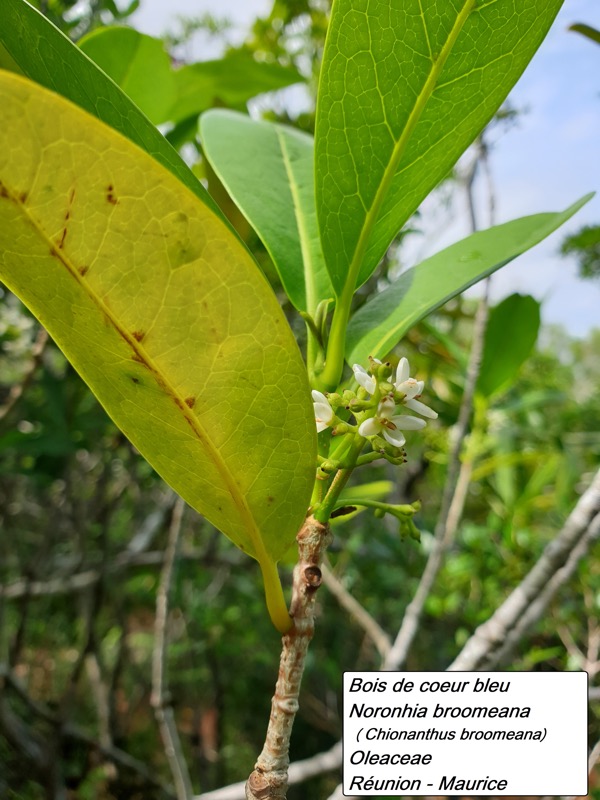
465,733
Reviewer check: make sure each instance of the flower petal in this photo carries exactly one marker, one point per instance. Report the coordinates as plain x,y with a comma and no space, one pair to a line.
363,378
386,408
411,388
406,423
319,397
421,408
321,426
394,437
402,372
370,427
323,413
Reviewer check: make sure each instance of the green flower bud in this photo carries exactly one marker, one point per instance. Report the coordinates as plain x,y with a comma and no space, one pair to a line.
336,400
329,465
341,428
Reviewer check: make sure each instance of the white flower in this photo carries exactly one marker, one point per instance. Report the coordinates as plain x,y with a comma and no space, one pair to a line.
411,388
390,426
323,411
363,378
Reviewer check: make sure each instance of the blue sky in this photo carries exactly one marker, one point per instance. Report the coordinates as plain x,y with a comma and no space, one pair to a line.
548,161
551,159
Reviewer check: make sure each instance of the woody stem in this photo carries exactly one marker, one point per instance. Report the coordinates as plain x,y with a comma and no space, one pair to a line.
269,779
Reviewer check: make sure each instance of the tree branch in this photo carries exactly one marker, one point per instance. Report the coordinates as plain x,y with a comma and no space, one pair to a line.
70,731
269,779
80,581
16,391
298,772
358,613
496,639
159,699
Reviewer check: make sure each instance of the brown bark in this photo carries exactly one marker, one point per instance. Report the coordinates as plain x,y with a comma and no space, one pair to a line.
269,780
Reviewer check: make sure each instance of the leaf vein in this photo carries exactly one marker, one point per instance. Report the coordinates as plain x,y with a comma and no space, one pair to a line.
141,356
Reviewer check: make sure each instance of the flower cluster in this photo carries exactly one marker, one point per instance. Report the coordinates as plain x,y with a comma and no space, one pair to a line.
375,404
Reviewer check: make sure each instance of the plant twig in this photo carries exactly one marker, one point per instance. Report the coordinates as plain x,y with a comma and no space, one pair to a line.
298,772
159,699
496,639
359,613
16,391
269,779
100,692
80,581
68,730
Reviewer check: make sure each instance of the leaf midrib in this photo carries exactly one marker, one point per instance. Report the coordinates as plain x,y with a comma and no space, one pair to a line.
143,357
307,265
402,143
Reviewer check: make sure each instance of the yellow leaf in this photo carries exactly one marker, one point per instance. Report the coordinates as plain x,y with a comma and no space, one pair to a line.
163,313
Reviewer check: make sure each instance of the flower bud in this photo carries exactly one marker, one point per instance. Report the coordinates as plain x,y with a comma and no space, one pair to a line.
330,465
341,428
336,400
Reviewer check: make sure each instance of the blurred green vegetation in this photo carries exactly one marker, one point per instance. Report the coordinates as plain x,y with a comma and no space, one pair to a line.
84,524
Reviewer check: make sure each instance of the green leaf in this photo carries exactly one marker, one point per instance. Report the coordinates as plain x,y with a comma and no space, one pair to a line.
374,490
229,81
544,475
139,64
163,313
510,336
351,498
8,62
130,57
380,324
405,88
454,347
48,57
268,171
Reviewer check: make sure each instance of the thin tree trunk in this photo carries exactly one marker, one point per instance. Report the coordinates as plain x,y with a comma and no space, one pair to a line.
269,779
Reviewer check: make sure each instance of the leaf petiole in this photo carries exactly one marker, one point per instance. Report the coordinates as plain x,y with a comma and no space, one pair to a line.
323,512
276,604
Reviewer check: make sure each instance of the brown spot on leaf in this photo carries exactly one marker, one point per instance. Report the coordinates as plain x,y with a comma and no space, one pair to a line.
190,401
23,197
137,357
138,335
54,252
82,270
189,422
3,191
270,499
62,239
134,379
110,195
